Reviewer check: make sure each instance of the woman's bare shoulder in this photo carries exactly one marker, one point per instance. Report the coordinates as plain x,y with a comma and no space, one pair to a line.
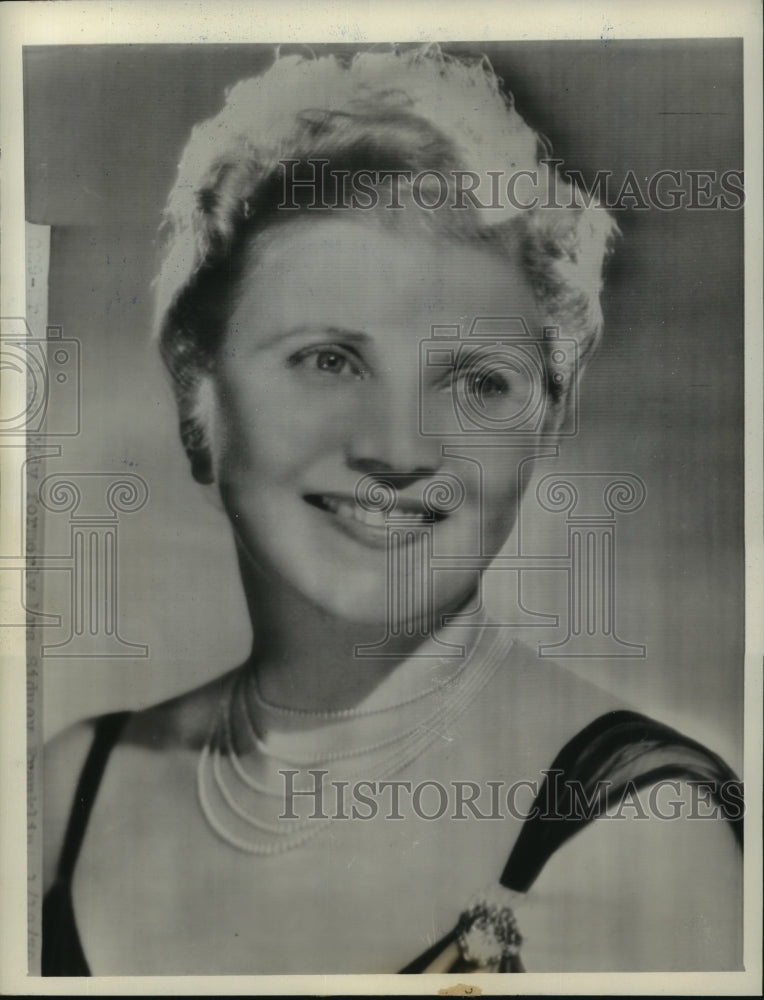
174,725
650,863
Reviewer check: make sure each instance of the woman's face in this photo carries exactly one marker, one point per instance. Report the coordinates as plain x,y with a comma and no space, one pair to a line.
320,381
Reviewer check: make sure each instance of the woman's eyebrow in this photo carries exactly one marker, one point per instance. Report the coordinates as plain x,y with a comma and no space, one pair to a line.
334,332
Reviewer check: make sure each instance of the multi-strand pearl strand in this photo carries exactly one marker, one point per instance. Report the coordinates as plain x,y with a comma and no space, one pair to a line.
389,755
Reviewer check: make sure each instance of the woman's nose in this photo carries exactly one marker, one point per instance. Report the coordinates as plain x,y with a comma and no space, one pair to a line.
387,437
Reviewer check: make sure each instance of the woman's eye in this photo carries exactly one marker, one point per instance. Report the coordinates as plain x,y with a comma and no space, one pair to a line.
489,385
329,361
485,385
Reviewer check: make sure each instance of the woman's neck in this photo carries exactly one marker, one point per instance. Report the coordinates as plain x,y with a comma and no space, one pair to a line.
308,659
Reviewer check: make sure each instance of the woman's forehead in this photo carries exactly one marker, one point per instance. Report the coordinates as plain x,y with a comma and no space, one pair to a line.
361,242
352,268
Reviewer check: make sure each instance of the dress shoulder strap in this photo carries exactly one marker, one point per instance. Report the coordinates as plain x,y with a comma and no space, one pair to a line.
614,753
617,752
107,731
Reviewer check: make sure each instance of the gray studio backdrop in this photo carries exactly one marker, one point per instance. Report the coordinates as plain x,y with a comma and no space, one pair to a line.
664,400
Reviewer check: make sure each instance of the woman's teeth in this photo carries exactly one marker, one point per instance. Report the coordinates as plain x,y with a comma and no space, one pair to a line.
348,510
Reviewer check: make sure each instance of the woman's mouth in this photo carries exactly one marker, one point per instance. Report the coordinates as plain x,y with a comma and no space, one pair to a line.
371,525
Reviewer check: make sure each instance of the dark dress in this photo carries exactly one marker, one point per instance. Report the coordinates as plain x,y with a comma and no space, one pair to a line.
621,749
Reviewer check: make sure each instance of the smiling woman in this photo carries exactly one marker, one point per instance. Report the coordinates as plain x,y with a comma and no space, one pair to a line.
313,391
366,385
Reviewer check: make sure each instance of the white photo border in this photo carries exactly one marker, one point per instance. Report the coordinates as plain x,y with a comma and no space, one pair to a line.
96,22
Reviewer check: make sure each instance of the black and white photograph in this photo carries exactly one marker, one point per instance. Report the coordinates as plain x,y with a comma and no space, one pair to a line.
384,501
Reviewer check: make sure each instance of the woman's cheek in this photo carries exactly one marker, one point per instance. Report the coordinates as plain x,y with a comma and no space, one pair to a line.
502,497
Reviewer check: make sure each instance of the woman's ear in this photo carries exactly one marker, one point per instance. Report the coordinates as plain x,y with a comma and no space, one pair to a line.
194,439
562,398
559,414
196,411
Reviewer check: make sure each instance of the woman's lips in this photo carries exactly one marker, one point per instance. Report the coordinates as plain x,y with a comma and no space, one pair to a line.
370,526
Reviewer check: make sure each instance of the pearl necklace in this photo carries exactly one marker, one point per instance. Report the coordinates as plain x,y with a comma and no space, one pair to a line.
398,752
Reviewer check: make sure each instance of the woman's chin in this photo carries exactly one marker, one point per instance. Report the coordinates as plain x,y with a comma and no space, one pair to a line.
360,608
373,605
